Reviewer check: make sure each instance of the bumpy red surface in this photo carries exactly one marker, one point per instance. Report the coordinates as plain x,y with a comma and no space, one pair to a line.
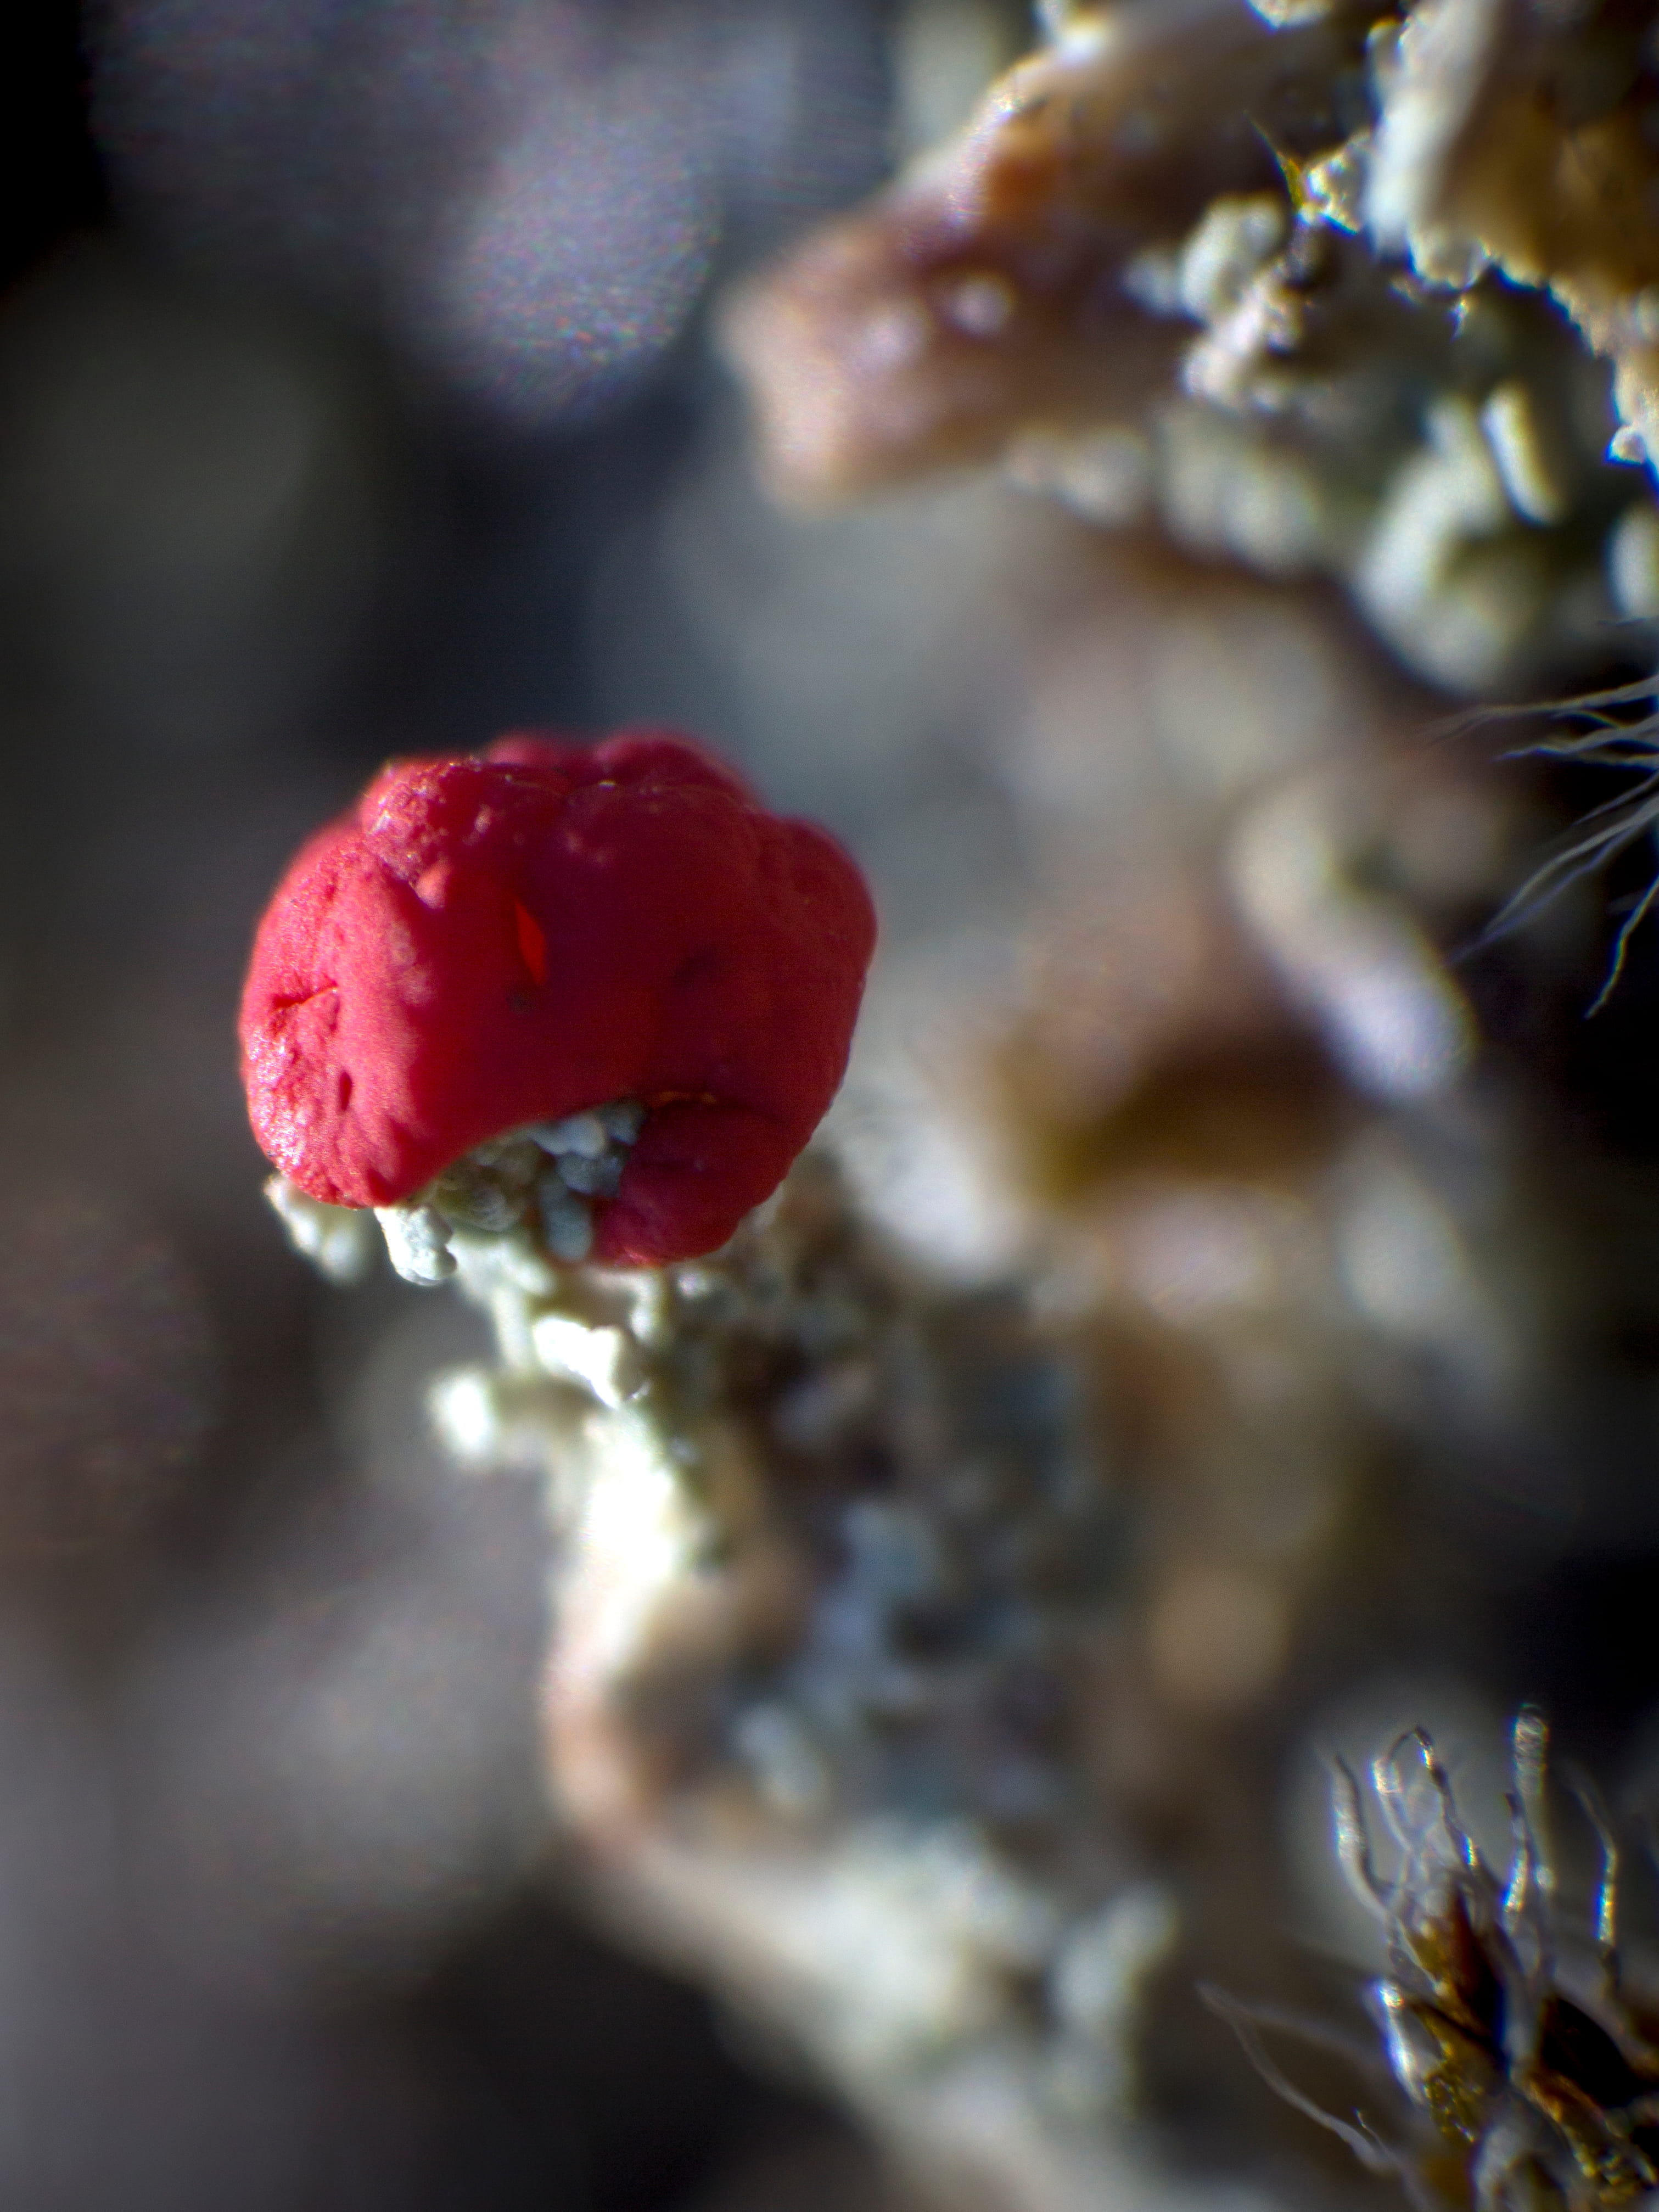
516,935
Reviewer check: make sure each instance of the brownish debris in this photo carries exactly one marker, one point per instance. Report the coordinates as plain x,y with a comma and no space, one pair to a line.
981,297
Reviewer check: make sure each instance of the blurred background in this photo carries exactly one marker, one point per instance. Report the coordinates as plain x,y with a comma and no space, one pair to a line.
357,395
320,439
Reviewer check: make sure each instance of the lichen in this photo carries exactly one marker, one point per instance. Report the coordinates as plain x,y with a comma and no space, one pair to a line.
1412,248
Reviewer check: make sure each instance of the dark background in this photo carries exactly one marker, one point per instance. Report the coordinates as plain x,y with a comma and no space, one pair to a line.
276,1926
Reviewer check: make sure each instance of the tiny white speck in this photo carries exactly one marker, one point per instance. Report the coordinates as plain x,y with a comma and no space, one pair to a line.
895,336
583,1134
566,1221
982,305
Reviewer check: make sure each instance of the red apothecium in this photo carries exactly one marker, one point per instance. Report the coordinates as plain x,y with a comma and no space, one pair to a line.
515,936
